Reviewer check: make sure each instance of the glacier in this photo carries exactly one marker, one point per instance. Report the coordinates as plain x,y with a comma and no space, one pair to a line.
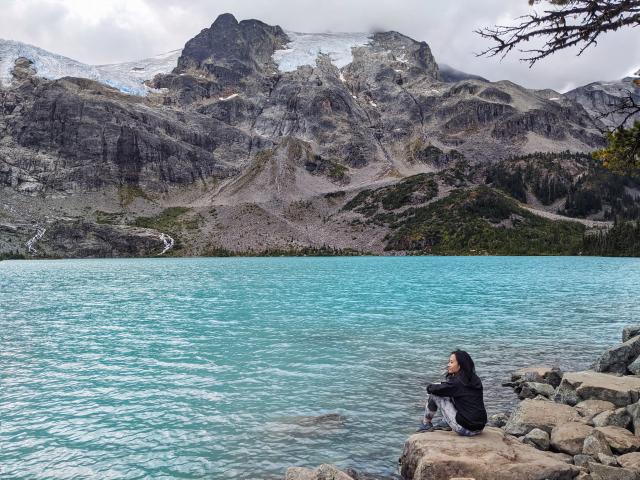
128,77
304,48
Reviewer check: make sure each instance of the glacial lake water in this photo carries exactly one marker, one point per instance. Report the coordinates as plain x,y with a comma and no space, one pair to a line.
237,368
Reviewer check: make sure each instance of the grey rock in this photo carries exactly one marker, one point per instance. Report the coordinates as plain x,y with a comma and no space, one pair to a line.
634,413
604,472
537,438
618,418
498,420
634,367
605,459
617,359
629,332
582,460
533,389
596,443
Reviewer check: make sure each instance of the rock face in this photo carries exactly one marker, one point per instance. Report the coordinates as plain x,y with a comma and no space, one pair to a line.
617,359
629,332
489,456
578,386
532,414
599,98
217,131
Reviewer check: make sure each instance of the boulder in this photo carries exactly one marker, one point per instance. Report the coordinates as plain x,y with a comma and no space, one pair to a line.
634,413
620,440
578,386
493,455
569,437
537,438
630,461
617,418
606,459
533,389
629,332
596,443
591,408
582,460
540,374
498,420
604,472
617,359
323,472
634,368
532,414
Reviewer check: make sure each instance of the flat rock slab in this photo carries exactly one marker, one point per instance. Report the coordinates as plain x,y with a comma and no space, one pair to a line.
620,439
578,386
545,415
630,461
492,455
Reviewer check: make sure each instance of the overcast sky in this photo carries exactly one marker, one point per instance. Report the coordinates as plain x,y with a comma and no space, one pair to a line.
110,31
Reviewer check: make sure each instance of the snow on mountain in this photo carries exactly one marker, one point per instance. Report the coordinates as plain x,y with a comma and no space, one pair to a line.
304,48
127,77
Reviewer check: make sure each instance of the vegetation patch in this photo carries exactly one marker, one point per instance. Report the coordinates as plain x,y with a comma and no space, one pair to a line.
419,151
108,218
413,190
623,240
128,193
168,221
483,221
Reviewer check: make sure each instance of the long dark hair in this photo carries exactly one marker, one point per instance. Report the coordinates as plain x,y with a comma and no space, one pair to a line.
467,367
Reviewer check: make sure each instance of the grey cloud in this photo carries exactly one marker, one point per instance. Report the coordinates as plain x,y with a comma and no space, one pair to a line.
446,26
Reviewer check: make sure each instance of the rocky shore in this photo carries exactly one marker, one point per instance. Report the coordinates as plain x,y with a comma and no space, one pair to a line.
568,425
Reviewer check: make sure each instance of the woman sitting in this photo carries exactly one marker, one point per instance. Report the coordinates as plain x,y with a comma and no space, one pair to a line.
459,399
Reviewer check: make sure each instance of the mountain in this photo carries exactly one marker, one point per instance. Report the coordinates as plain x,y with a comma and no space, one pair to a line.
602,98
251,138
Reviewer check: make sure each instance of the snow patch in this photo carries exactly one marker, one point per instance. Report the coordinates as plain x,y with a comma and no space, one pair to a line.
554,98
229,97
304,48
373,104
128,77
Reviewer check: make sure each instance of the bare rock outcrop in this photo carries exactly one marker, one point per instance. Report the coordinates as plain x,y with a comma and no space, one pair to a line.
493,455
530,414
590,385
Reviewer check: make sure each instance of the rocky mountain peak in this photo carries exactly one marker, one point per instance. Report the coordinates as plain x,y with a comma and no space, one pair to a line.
232,49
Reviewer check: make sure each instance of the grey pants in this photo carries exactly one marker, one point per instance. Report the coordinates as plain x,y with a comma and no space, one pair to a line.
448,412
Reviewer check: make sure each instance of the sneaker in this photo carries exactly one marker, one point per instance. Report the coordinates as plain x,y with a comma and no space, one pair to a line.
441,425
425,427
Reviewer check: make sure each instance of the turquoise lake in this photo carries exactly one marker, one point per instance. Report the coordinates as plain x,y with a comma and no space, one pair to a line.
237,368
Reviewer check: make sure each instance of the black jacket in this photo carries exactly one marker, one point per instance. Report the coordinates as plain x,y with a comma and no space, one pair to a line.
467,398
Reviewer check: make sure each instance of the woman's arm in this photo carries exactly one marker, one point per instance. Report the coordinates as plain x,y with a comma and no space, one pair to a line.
444,389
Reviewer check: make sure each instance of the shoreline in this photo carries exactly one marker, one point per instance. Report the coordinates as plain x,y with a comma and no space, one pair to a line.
582,425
